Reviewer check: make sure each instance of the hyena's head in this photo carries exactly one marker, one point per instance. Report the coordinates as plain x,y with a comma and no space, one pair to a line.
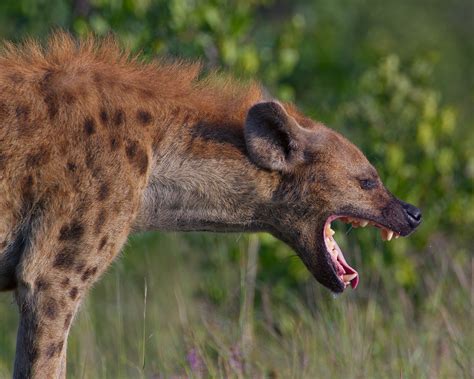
323,177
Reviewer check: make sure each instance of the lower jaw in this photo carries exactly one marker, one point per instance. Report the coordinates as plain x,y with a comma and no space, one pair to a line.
345,273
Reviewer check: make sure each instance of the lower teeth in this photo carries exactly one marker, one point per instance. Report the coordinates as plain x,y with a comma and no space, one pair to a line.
348,278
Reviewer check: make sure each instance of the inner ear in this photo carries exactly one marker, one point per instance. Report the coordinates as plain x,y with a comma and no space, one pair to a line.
273,137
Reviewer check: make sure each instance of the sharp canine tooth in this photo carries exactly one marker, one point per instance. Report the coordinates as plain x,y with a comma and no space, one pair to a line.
364,223
397,235
389,235
328,231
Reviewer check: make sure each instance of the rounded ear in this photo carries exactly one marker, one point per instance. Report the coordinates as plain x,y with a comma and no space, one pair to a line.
273,138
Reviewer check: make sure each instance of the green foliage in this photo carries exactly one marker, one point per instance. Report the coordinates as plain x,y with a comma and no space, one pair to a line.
397,79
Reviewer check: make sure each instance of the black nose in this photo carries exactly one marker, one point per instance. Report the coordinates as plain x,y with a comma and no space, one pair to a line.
413,214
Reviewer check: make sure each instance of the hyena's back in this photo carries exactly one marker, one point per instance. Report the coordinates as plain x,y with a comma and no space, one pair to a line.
66,148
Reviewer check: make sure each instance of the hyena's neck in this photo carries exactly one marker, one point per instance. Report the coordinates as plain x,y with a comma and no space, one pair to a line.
201,177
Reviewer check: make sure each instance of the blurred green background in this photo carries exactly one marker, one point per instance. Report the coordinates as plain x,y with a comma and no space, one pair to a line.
397,78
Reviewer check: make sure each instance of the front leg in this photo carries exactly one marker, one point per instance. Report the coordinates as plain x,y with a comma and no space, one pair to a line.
54,276
42,334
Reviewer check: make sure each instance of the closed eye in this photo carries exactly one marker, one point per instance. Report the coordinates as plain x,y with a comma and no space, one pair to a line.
367,184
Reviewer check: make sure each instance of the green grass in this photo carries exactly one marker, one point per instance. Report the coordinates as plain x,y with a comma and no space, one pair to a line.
148,318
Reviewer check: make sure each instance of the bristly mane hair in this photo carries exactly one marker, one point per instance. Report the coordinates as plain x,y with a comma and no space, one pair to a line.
167,81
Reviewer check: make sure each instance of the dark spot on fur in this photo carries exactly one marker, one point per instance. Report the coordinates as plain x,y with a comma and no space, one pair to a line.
54,349
52,105
50,309
114,143
131,149
73,293
80,267
141,162
137,156
67,320
96,172
72,231
175,111
65,282
231,135
102,243
104,116
91,271
39,158
100,220
97,78
89,126
50,351
24,126
146,93
16,78
27,189
41,284
69,98
144,117
49,96
3,109
71,166
104,192
119,117
28,180
3,161
65,259
22,112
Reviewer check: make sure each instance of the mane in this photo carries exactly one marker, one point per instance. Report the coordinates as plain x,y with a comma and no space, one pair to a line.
211,93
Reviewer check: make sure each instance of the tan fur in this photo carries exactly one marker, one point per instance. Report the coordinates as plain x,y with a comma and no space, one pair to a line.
95,144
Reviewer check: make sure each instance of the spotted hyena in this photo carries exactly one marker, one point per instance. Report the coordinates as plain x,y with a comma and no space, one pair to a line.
95,145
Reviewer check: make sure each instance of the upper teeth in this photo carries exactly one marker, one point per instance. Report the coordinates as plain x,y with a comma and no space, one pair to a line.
387,234
329,231
330,243
355,222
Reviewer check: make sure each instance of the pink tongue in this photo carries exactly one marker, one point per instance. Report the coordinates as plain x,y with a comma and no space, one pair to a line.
349,270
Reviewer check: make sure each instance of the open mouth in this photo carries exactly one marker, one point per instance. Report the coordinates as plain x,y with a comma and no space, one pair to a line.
345,273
